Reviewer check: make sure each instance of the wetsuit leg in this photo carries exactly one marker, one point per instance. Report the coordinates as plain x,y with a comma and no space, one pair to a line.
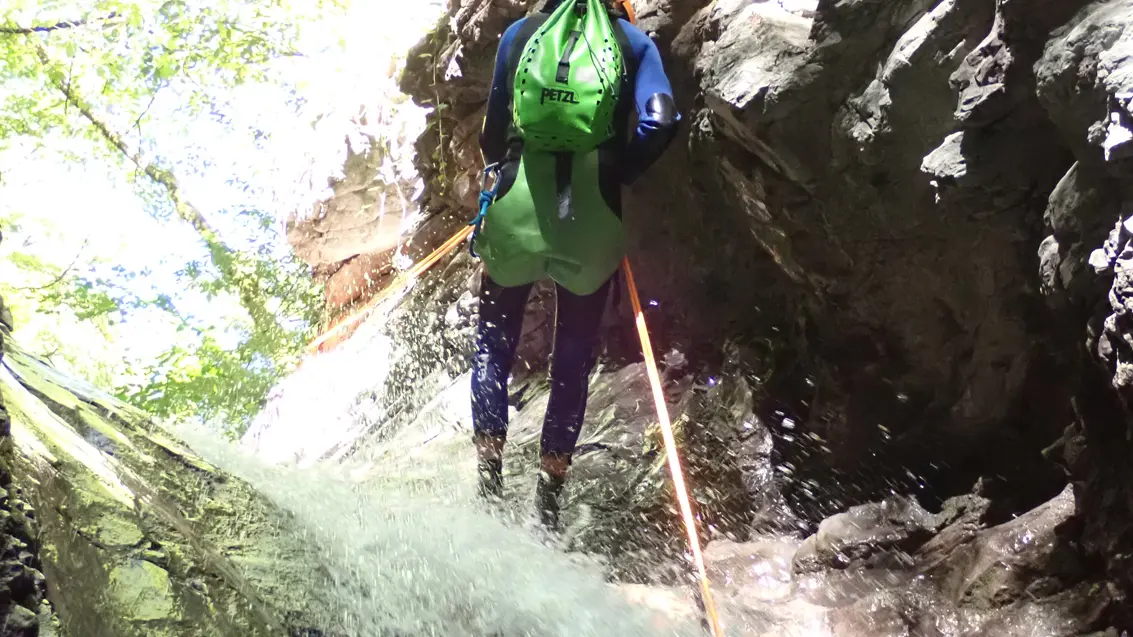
500,325
577,319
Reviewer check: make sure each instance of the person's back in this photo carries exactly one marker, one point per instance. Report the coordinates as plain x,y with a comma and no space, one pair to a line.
558,215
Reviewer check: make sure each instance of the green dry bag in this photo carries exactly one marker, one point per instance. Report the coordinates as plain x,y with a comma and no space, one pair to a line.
568,80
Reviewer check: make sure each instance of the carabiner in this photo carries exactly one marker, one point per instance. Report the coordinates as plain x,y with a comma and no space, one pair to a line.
487,198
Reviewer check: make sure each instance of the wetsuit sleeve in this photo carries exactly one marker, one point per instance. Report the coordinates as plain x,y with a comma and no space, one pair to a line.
493,136
656,110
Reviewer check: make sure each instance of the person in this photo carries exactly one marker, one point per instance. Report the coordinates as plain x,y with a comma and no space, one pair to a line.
556,215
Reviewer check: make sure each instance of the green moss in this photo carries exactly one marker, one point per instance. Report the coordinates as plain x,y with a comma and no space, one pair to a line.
150,539
92,420
180,452
113,531
142,592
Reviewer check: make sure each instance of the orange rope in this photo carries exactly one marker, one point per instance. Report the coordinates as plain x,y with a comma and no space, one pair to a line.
401,281
628,6
671,451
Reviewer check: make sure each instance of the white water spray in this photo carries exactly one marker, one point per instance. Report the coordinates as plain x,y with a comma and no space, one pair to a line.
416,558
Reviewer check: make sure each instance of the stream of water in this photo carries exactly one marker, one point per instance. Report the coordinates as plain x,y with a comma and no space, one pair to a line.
413,556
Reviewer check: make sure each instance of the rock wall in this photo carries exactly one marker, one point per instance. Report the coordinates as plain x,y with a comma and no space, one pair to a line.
1083,79
110,527
360,190
24,609
881,219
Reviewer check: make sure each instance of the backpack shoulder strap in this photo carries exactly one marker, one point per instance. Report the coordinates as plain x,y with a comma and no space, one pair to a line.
629,79
514,54
628,55
518,43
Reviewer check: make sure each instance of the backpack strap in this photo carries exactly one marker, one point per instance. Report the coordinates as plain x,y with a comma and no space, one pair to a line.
628,56
625,105
530,26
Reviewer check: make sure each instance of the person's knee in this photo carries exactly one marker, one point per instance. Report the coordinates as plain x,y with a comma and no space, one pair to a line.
573,359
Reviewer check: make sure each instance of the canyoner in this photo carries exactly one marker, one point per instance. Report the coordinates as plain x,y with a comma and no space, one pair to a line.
556,125
557,149
550,207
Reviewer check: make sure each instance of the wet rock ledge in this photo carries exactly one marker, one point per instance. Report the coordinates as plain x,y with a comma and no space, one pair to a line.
109,528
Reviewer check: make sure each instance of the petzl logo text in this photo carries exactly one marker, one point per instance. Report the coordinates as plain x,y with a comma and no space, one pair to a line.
558,95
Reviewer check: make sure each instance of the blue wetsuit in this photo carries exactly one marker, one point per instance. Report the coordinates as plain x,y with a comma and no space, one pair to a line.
577,317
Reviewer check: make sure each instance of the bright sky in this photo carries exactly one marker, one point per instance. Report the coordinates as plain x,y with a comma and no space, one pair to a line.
286,172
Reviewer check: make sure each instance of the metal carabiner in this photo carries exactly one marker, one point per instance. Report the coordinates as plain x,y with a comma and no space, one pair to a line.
487,198
486,176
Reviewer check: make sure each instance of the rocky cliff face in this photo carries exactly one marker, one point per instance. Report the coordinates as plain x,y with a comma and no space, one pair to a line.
879,225
110,527
361,178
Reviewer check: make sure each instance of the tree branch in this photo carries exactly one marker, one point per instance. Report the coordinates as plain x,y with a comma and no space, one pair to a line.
48,28
223,257
138,122
63,274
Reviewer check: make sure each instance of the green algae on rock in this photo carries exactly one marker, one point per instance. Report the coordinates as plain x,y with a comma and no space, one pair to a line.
129,519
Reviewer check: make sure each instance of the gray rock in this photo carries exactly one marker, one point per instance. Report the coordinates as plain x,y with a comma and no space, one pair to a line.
749,76
20,622
1083,77
947,163
898,524
966,580
1006,563
1081,210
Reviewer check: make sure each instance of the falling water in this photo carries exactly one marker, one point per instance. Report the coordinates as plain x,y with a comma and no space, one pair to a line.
415,556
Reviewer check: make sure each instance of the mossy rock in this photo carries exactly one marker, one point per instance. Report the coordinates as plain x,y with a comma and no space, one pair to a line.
143,592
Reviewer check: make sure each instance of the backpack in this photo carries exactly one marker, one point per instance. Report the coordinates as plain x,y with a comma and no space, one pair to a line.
568,80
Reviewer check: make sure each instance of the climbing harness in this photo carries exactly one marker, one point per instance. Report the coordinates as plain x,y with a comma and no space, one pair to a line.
487,198
709,607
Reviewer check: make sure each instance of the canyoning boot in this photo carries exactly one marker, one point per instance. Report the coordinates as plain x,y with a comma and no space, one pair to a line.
490,466
552,477
491,472
547,493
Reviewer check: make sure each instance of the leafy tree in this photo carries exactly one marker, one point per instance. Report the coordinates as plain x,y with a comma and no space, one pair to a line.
83,78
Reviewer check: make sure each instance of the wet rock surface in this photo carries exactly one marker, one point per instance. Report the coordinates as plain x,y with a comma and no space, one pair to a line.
111,527
1019,578
24,609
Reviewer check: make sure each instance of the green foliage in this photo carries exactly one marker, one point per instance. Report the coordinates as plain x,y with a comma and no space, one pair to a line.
65,315
83,78
229,384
